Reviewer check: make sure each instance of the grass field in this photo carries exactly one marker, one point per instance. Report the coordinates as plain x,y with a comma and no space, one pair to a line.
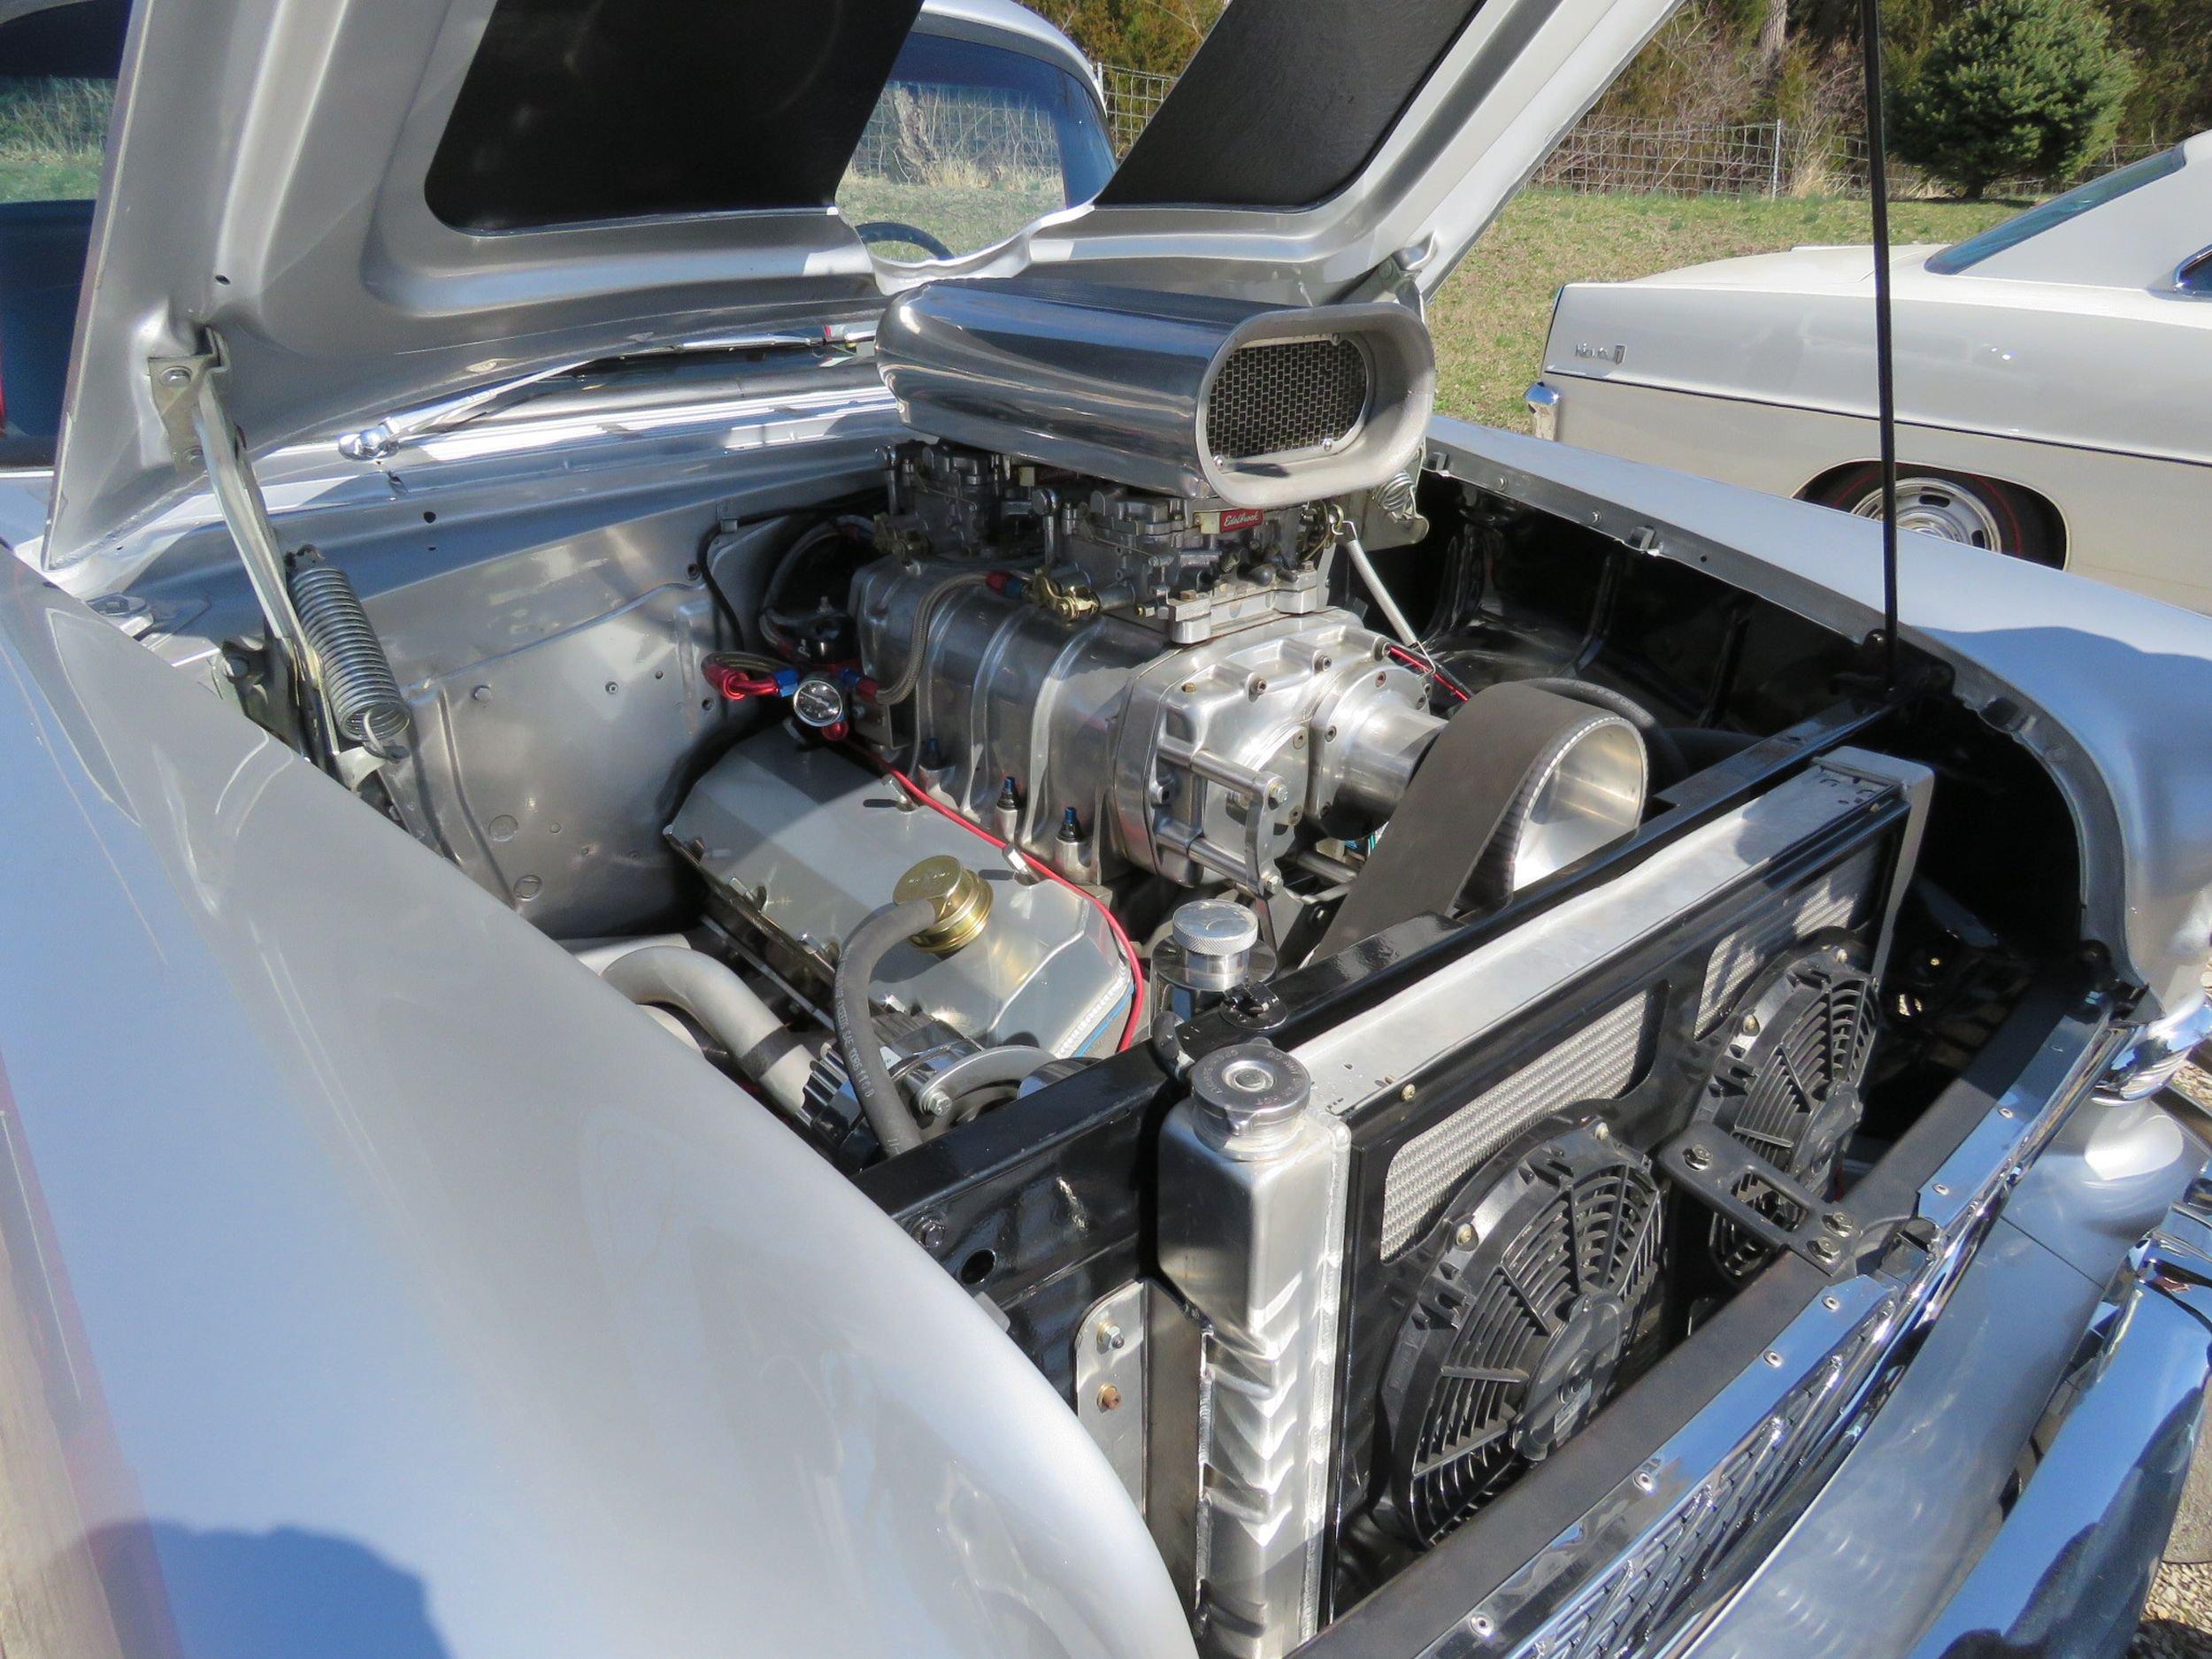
1490,320
51,133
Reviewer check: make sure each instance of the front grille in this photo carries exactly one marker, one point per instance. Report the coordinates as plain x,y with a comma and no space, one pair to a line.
1639,1596
1597,1063
1283,395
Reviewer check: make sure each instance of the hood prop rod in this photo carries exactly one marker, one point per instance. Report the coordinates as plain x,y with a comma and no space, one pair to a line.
1884,359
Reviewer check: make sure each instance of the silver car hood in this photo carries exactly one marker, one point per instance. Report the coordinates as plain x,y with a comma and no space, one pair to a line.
266,183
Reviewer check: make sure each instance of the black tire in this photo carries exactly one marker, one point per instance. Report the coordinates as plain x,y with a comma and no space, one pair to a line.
895,230
1981,512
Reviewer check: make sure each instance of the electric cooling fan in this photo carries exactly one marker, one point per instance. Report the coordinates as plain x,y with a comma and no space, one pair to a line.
1548,1264
1788,1083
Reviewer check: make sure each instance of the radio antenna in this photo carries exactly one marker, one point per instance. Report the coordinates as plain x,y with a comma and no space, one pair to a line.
1884,366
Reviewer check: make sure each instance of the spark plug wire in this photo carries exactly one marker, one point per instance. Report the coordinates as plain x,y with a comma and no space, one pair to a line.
1429,670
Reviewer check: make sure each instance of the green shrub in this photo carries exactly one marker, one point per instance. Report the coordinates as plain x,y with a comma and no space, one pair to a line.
2012,88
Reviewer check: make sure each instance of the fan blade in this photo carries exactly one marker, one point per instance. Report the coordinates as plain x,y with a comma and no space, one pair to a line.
1462,1449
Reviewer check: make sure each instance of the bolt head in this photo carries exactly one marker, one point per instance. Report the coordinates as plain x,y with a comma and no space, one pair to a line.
1406,1093
1464,1234
1697,1158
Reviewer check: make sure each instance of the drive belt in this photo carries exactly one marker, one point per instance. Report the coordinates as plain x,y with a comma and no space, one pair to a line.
1456,801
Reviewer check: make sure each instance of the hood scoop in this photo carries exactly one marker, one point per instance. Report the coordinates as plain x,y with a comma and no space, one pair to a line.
1254,405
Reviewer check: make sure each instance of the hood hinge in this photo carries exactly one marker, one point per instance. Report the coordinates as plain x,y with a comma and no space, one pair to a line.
202,436
1398,278
187,397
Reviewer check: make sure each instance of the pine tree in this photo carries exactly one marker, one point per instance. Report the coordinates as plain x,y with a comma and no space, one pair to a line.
2012,88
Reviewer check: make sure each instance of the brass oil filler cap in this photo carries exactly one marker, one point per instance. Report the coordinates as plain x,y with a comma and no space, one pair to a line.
963,901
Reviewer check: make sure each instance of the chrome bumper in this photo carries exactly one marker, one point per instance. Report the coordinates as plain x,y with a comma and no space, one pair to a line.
1543,410
1988,1509
2068,1572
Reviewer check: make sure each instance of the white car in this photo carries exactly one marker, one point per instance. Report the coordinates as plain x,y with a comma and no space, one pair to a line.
2051,378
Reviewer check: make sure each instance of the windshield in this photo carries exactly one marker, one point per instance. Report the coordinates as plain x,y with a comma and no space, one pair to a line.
580,112
56,96
968,143
2057,211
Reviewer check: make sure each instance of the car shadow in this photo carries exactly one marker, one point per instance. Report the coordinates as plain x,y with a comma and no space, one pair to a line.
285,1594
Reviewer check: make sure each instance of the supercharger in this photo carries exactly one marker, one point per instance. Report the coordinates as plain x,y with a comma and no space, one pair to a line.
1146,681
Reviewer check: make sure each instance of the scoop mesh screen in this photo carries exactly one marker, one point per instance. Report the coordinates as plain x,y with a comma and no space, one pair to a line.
1280,396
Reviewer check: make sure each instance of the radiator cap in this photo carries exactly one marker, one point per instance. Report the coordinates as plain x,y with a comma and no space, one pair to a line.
1247,1099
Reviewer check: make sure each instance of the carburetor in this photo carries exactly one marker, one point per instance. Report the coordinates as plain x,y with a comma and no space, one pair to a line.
1120,677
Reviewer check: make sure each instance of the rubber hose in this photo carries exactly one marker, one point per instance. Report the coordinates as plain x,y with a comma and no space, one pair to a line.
910,676
1657,738
865,951
732,1011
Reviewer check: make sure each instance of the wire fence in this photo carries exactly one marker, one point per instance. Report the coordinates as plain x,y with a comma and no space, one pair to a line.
1768,158
1132,95
956,136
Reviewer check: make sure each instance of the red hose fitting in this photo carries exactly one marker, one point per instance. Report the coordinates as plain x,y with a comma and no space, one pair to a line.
736,683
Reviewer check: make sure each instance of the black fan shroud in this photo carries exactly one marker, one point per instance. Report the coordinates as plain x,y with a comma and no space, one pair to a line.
1787,1084
1549,1264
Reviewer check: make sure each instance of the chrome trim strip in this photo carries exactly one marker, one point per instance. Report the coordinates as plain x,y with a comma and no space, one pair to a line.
1904,423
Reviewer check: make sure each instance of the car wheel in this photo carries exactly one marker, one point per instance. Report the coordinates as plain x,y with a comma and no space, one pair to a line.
1958,506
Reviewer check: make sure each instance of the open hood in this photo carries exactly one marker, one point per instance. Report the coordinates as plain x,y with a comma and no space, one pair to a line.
369,204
